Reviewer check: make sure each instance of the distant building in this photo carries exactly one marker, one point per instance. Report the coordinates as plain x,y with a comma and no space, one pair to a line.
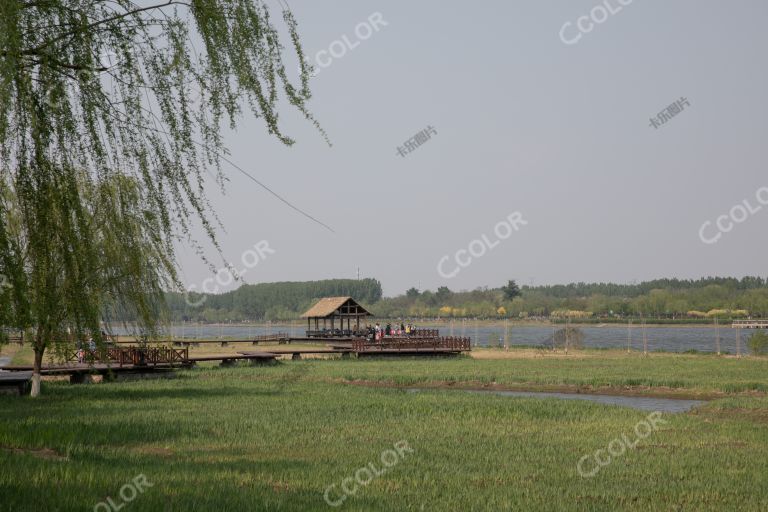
335,310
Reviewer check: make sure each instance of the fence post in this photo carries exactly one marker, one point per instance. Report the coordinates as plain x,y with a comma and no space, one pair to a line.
645,340
717,335
506,334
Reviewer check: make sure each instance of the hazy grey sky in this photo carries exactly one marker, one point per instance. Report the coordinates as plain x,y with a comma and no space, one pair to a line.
525,123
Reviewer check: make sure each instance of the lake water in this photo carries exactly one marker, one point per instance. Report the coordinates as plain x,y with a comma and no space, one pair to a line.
670,339
671,405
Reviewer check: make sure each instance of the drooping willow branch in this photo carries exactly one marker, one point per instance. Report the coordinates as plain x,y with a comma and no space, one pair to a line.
102,164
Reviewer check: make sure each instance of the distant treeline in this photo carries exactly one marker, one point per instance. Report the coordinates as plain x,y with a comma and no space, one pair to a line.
644,288
268,301
700,299
661,298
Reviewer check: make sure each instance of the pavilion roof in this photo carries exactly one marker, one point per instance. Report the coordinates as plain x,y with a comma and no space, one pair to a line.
334,307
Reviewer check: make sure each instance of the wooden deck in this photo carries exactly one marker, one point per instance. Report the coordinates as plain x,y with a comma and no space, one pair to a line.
142,361
96,368
297,353
405,346
231,359
279,337
408,352
134,356
17,383
118,360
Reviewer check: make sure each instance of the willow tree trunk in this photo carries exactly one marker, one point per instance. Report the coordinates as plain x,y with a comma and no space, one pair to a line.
36,369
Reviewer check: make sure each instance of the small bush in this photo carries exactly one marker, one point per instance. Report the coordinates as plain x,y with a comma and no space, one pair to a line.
575,337
758,343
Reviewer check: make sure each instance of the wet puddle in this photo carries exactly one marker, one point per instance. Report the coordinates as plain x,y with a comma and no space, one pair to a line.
671,405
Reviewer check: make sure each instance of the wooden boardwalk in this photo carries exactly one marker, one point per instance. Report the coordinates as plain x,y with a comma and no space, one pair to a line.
280,337
141,362
448,345
297,353
17,383
231,359
96,368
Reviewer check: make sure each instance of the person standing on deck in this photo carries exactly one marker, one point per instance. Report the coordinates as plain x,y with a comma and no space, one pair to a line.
388,330
80,352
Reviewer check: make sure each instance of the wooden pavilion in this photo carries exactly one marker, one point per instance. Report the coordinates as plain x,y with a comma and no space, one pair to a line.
335,309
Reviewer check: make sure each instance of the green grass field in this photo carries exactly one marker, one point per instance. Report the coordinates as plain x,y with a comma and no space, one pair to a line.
277,437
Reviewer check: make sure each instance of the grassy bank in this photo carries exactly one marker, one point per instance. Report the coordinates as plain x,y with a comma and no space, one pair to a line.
275,438
612,370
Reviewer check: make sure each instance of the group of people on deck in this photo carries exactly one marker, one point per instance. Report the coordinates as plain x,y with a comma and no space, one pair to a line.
379,332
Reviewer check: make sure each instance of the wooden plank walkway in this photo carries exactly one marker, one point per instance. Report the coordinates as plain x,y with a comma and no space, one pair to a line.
99,368
409,352
284,351
148,360
280,338
230,359
17,383
447,343
296,354
139,356
304,339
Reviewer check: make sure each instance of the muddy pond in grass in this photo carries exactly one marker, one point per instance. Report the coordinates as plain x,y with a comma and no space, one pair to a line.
671,405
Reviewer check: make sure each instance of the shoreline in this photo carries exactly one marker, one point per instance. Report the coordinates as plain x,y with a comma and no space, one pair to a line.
470,322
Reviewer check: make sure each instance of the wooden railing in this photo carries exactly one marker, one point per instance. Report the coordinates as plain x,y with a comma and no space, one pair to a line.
333,333
338,333
444,343
424,333
137,356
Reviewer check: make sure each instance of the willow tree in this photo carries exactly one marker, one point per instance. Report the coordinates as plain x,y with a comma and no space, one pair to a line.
111,114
